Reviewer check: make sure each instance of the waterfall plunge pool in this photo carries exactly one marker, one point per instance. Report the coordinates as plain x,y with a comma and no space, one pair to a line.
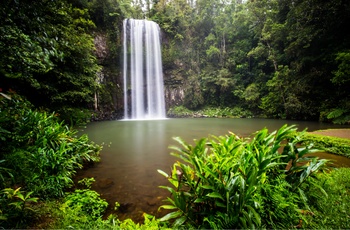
134,150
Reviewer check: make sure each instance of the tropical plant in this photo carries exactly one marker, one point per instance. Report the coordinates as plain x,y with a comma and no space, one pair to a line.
334,145
331,211
230,182
87,182
339,116
48,54
75,218
83,209
5,174
88,201
15,207
40,151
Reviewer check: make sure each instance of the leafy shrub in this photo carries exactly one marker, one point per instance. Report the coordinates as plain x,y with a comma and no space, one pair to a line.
75,219
150,222
339,116
335,145
15,210
73,216
231,182
181,111
5,174
235,112
88,201
74,116
41,152
83,209
87,182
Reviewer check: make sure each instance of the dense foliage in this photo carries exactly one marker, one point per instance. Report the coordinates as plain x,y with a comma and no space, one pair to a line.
222,182
332,210
235,112
47,54
334,145
275,58
231,182
328,211
39,156
284,59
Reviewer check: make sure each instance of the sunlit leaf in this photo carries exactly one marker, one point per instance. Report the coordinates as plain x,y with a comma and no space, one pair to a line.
171,215
167,207
179,221
163,173
215,195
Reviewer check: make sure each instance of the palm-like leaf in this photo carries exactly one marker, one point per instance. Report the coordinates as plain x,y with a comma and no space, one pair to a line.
227,181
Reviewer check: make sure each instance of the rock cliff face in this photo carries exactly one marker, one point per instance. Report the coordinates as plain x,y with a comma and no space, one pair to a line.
108,99
174,91
174,96
101,49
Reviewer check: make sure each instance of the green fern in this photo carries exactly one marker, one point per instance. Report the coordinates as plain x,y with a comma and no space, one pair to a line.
339,116
280,208
221,221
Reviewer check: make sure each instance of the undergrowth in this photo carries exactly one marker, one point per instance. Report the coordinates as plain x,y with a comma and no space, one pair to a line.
334,145
216,112
266,181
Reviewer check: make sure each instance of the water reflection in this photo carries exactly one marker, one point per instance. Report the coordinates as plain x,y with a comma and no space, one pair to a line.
127,172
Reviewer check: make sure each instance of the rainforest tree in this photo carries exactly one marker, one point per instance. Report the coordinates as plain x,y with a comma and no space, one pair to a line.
275,58
47,54
283,59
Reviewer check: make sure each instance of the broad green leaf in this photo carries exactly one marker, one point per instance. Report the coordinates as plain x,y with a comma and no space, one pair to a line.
171,215
256,215
178,149
20,196
199,200
181,142
179,221
243,222
219,204
163,173
33,199
208,187
167,206
28,195
171,190
215,195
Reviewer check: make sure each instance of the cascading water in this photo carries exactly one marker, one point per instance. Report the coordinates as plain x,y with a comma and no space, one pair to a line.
142,70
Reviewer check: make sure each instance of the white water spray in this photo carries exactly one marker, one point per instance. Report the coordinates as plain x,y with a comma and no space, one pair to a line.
142,70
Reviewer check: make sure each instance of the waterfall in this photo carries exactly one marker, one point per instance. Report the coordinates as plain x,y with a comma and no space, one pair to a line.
142,70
